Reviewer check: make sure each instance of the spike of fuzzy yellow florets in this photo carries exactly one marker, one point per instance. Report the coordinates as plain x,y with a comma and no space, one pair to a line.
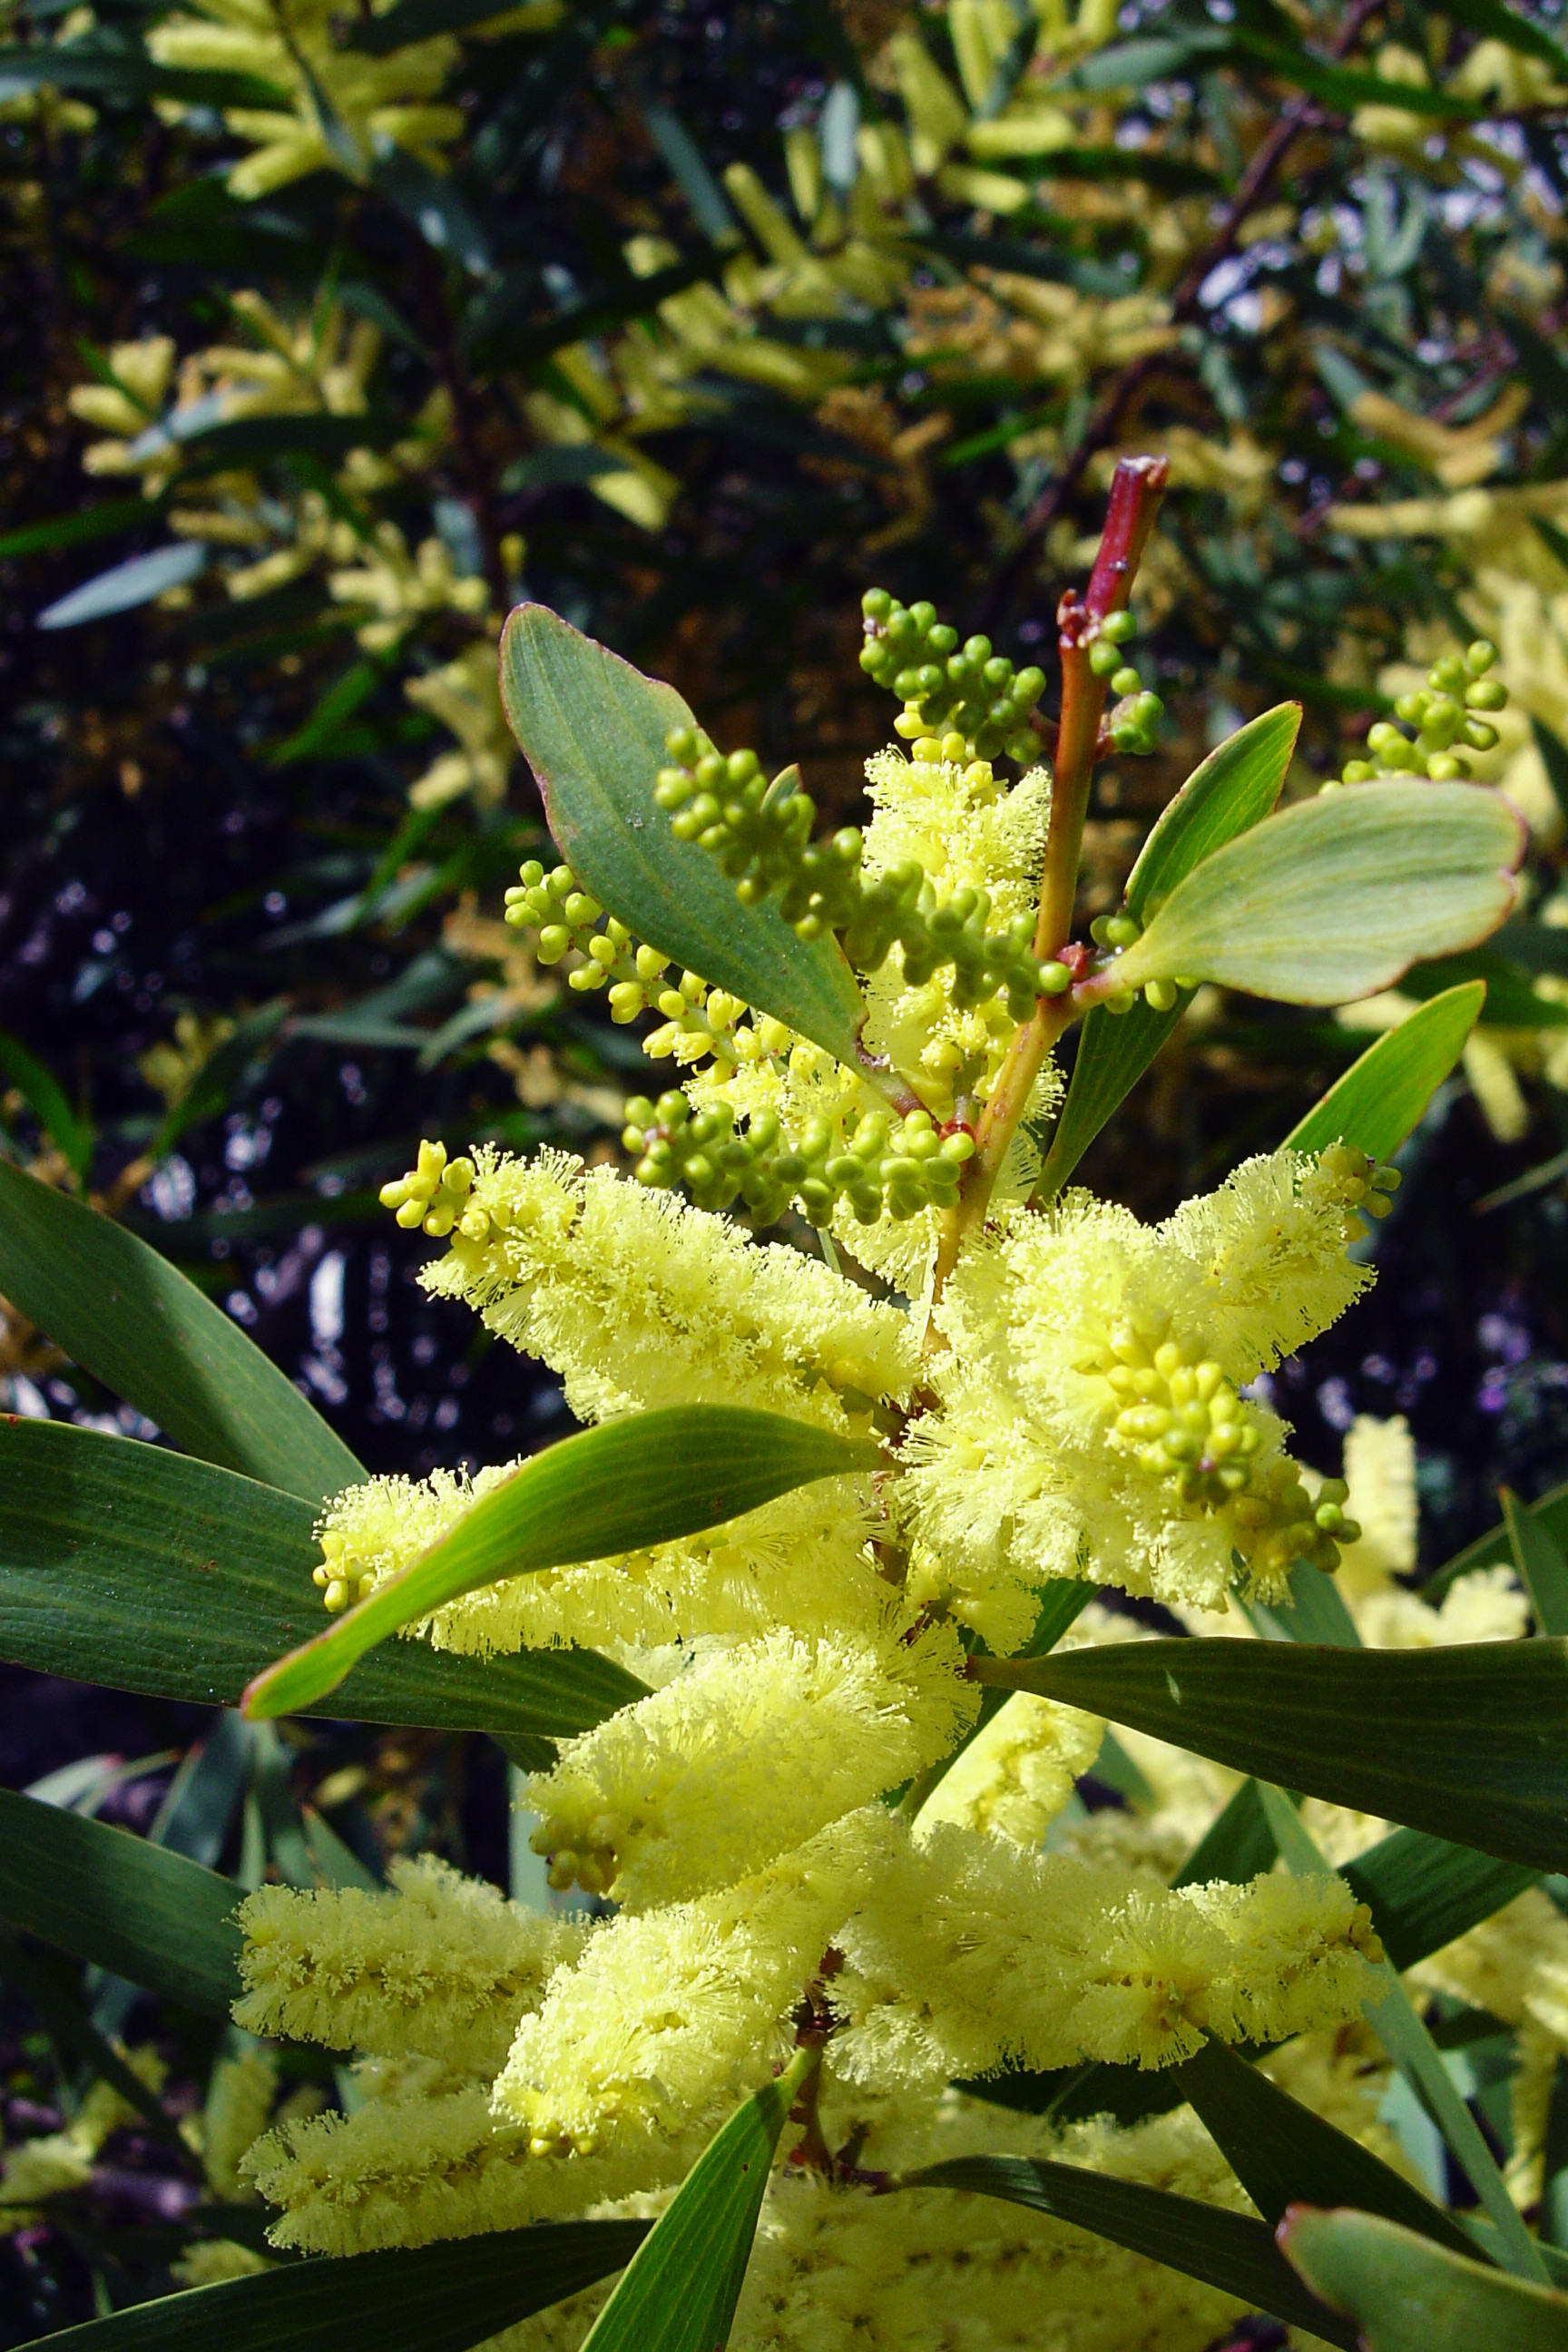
1015,1775
748,1754
443,1965
639,1301
1097,1963
673,2014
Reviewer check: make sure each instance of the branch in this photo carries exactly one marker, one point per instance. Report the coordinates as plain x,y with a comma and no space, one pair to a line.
1107,413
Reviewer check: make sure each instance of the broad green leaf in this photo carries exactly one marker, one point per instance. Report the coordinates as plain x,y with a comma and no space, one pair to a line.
124,1564
1407,2294
440,2298
1538,1563
1338,896
44,1098
1236,786
1283,2154
683,2283
645,1479
593,730
1372,1729
1423,1891
1226,794
1380,1096
1228,2250
124,1315
125,585
120,1901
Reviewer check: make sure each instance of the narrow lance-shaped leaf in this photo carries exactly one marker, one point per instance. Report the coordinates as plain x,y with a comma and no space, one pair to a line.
1231,790
128,1565
126,1904
593,730
1339,895
440,2298
1378,1101
1228,2250
1405,2294
1283,2154
126,1316
1372,1729
680,2290
1538,1560
646,1479
125,585
1393,2016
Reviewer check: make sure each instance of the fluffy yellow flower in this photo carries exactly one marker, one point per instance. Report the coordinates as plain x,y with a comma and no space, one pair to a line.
639,1301
443,1966
750,1753
1090,1419
1096,1964
672,2014
1014,1777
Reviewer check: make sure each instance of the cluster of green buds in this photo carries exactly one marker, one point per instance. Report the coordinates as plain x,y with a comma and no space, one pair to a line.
1118,931
342,1576
1188,1423
967,691
1361,1185
434,1196
1134,717
554,905
584,1854
761,834
885,1167
1450,714
697,1020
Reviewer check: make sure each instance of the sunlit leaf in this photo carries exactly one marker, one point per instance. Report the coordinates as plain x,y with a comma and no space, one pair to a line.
593,730
1538,1563
1405,2294
1380,1099
1334,897
1228,793
683,2283
125,585
127,1317
128,1565
647,1478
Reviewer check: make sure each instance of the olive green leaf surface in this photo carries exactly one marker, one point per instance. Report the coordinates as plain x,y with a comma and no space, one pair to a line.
121,1902
1372,1729
1228,2250
440,2298
681,2290
645,1479
124,1564
1338,896
128,1318
1229,792
1405,2294
593,730
1381,1095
